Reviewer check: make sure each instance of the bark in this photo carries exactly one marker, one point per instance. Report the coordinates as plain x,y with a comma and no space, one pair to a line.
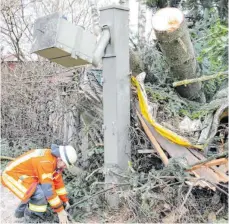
174,40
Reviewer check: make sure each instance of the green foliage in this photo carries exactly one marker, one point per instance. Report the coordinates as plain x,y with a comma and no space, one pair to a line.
15,147
148,58
98,150
172,105
80,187
213,52
156,95
169,101
86,183
151,3
154,65
192,114
212,86
210,39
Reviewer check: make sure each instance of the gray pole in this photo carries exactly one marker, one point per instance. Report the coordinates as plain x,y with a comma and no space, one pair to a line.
116,92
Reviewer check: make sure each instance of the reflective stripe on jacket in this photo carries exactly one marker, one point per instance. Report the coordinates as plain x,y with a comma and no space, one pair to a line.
37,166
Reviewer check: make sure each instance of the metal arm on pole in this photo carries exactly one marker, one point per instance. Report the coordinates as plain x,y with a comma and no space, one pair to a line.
103,42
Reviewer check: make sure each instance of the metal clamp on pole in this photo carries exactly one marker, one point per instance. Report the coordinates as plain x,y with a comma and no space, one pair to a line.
102,44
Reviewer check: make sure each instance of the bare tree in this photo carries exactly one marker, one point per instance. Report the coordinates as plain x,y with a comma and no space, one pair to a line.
94,16
16,27
18,17
141,22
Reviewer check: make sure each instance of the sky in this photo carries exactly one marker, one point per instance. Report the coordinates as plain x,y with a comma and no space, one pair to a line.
133,5
134,16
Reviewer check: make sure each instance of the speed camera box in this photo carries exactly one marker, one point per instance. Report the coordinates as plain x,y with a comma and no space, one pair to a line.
62,42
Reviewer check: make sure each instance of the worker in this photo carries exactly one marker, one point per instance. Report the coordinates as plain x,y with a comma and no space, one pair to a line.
36,178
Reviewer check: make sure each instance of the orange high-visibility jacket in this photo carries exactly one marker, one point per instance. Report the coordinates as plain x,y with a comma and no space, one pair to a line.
37,166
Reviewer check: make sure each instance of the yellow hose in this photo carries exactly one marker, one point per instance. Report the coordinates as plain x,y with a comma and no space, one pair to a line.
170,135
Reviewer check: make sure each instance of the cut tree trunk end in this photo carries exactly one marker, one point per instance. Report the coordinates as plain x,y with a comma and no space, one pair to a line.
173,36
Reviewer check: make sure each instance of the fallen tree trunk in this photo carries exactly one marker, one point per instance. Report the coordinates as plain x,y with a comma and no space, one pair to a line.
174,40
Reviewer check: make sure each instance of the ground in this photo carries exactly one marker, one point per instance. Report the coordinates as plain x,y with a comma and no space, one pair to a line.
9,202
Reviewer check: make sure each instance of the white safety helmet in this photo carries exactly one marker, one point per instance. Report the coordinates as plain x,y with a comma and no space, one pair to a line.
68,155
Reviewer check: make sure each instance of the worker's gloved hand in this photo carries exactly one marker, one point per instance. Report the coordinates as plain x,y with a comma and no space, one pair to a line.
67,206
63,217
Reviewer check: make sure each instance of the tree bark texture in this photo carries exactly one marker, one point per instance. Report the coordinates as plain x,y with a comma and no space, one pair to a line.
177,47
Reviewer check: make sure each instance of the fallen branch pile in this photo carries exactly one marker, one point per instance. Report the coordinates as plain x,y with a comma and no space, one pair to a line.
166,181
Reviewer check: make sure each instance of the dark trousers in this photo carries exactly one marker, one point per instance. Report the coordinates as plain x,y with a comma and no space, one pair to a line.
27,208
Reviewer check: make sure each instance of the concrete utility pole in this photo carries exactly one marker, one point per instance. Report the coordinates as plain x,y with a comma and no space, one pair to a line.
69,45
116,91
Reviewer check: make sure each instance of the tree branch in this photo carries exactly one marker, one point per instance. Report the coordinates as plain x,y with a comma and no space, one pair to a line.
201,79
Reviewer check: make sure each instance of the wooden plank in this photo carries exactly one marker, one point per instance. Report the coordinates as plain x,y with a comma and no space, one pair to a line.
223,168
201,183
197,154
153,140
213,162
220,171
